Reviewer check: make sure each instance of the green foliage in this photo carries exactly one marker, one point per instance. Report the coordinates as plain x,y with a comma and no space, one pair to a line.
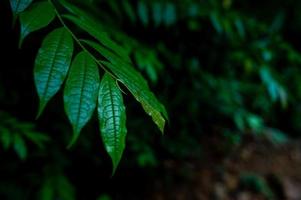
56,186
80,94
19,6
52,65
257,183
15,135
36,17
112,119
81,90
136,84
225,68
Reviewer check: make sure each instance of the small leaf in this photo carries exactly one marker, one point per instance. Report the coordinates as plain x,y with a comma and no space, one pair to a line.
38,16
169,14
19,6
52,64
112,119
38,139
20,146
135,83
157,13
143,13
80,94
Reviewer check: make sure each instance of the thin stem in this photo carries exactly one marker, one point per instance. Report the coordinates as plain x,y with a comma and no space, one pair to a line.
78,41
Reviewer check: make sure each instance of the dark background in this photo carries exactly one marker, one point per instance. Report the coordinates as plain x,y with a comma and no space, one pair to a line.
229,75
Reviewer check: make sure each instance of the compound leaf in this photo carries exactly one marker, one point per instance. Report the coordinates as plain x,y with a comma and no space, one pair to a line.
135,83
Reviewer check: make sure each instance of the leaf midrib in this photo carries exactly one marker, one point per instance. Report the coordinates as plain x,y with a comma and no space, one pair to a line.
81,93
114,120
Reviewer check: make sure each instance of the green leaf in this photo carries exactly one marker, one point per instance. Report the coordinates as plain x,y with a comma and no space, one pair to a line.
157,13
47,191
135,83
80,94
37,138
36,17
6,138
92,26
19,6
112,118
143,13
169,14
64,188
20,146
52,64
129,10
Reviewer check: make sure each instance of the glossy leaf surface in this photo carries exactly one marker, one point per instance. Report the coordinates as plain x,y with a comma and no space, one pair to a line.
52,64
112,118
80,94
36,17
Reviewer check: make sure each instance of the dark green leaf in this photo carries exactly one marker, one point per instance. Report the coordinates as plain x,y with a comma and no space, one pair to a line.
19,6
129,10
95,29
135,83
80,94
112,118
20,146
64,188
52,64
143,13
38,16
157,13
169,14
6,138
47,191
37,138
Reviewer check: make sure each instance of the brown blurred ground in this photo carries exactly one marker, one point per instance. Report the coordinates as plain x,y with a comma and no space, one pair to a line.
275,172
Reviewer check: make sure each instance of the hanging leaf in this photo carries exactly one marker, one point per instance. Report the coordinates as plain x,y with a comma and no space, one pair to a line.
92,26
157,13
38,16
80,94
19,6
52,64
98,32
170,16
112,118
136,84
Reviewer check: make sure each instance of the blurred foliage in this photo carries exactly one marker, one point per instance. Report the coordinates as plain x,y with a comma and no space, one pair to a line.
13,134
225,69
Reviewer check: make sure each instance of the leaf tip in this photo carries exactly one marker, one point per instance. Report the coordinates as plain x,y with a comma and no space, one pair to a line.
20,41
115,164
75,136
41,109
